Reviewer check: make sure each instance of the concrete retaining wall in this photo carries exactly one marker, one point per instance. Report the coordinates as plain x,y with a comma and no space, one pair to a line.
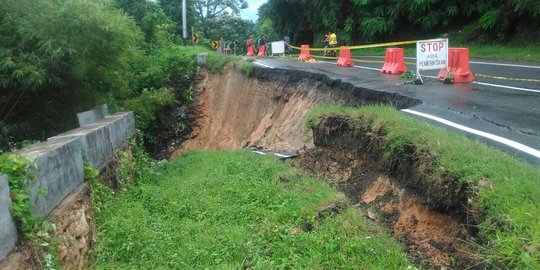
101,138
58,169
58,166
8,232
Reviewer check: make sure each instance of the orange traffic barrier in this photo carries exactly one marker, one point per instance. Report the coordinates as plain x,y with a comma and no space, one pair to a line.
305,54
458,66
394,61
344,59
262,50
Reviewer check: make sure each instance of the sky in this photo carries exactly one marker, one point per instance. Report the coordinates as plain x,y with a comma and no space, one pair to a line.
250,13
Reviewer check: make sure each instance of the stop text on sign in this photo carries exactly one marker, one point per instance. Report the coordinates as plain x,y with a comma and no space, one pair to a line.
432,47
431,54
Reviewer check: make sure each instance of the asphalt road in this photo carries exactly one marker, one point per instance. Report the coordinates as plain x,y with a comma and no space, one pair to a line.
503,112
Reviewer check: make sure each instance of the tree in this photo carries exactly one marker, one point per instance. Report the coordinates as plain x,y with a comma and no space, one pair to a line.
231,28
157,27
208,11
212,18
173,9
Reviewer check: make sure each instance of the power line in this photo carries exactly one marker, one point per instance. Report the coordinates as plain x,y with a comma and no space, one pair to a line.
248,15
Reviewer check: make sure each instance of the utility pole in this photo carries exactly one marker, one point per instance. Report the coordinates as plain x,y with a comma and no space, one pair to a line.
184,19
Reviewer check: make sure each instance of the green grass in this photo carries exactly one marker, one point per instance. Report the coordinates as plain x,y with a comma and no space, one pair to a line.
230,210
509,195
244,67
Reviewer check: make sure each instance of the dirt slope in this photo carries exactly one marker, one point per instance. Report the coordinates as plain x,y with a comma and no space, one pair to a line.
267,109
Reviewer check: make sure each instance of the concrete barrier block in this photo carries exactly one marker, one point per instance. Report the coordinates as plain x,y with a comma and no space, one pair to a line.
57,168
8,231
90,117
122,127
96,142
201,59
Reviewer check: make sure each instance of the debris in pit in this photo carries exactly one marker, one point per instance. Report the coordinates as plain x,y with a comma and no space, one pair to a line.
280,155
370,215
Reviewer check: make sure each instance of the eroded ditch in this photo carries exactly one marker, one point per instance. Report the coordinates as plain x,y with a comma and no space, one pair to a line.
267,109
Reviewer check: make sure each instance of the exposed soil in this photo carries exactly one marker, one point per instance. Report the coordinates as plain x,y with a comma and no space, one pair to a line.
432,239
267,109
74,235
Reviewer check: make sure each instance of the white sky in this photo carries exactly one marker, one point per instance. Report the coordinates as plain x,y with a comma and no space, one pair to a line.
250,13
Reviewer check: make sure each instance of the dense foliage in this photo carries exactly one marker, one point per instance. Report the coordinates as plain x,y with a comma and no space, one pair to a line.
376,20
77,54
59,54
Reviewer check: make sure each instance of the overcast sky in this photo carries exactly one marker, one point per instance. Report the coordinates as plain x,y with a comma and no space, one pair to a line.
250,13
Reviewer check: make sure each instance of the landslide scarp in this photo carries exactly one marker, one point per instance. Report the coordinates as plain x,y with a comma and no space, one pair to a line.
267,110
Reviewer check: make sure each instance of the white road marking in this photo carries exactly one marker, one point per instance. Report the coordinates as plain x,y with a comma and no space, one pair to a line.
260,153
497,85
257,63
377,69
508,87
502,64
513,144
480,63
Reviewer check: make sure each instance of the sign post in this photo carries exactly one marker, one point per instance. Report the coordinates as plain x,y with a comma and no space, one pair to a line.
431,54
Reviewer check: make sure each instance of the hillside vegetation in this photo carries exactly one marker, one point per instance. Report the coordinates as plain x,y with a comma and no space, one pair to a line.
58,58
362,21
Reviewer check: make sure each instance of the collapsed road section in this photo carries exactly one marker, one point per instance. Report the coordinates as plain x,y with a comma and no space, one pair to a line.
267,110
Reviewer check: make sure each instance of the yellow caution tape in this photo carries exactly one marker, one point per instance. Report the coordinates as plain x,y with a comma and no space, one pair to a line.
383,44
324,57
504,78
359,46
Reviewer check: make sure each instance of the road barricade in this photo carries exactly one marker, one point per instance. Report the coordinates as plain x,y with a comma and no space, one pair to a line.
394,62
304,53
262,50
344,59
458,66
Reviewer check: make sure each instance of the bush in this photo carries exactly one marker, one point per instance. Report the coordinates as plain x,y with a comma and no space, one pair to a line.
162,79
60,54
